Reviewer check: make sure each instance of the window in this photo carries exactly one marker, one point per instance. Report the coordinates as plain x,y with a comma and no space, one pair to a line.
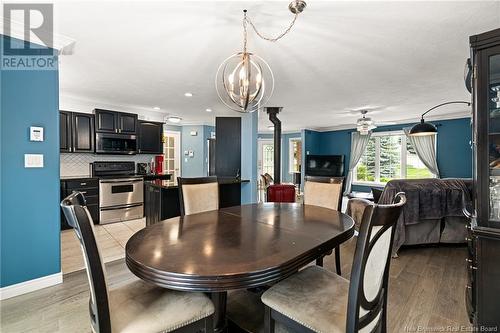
295,155
388,156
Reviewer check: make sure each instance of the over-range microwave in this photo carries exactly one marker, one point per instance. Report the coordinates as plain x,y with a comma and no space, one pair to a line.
108,143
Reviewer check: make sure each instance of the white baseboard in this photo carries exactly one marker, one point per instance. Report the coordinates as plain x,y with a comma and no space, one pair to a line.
31,285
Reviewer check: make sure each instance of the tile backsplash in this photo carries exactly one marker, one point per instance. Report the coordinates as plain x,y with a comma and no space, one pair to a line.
74,164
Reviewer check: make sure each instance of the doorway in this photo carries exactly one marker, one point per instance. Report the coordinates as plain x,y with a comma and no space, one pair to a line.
172,154
265,157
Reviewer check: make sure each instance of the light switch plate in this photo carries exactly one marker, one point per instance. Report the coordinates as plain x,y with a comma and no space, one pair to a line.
33,160
36,133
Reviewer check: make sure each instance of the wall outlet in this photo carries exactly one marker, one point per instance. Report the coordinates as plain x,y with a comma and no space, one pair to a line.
33,160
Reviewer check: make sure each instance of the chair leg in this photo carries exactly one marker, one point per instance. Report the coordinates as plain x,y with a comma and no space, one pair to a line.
319,261
268,320
337,260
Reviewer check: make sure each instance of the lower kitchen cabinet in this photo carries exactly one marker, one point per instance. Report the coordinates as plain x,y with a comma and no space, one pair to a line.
90,190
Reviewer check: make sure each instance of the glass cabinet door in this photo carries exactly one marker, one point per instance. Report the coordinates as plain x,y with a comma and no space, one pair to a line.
494,139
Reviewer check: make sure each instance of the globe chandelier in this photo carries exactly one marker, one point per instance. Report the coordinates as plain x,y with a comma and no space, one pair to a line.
244,81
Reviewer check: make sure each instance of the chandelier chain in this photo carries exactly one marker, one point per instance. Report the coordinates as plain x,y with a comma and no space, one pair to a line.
246,20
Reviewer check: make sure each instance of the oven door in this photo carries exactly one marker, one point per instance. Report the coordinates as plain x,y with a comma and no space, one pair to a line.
121,192
115,144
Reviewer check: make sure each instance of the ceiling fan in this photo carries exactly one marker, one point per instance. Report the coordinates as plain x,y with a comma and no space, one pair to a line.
365,124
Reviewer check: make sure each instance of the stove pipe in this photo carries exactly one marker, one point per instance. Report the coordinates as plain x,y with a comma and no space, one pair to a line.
273,112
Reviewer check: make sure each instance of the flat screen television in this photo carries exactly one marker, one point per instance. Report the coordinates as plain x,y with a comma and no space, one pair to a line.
325,165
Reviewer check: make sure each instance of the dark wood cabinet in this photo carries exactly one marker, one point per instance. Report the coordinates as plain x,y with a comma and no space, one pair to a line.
65,132
90,189
83,132
76,132
150,137
108,121
483,290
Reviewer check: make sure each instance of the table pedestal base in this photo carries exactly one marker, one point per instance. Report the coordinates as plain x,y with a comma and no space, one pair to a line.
220,302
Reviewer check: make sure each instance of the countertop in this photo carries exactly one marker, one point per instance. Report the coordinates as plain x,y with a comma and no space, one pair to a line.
165,184
149,175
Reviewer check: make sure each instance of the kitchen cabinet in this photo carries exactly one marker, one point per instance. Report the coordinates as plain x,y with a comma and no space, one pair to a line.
65,131
89,188
108,121
150,134
76,132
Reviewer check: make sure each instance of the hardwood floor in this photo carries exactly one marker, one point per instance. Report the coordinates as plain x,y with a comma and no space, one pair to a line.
426,290
111,239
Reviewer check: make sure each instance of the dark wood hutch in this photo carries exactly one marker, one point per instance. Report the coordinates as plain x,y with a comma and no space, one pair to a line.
483,289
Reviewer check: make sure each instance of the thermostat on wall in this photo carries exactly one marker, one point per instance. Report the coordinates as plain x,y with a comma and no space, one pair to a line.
36,133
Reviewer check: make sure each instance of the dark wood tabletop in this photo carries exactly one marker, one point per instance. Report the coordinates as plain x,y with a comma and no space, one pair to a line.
234,248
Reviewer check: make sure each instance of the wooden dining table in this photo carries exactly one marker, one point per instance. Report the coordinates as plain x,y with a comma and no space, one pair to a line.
233,248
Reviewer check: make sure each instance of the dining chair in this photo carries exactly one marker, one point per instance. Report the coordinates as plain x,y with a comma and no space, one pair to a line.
317,300
135,306
197,195
325,192
356,208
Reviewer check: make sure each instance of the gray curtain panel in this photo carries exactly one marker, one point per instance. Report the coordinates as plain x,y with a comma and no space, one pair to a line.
425,147
358,146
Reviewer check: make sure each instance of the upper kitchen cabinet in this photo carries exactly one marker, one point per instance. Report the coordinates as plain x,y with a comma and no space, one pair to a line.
65,139
76,132
150,137
107,121
83,132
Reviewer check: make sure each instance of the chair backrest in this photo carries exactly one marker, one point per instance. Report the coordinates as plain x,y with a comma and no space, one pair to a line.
356,208
367,304
324,192
377,193
79,218
197,195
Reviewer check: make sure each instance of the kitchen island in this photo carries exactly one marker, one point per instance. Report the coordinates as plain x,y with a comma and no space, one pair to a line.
161,198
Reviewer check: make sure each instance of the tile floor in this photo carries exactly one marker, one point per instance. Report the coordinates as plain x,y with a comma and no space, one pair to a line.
111,239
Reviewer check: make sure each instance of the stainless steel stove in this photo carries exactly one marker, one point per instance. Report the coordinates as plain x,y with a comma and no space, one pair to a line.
121,191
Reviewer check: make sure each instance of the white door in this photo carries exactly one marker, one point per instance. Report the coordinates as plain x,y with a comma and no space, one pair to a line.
265,157
172,154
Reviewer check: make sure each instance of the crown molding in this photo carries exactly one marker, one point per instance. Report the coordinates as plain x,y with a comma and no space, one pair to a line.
63,44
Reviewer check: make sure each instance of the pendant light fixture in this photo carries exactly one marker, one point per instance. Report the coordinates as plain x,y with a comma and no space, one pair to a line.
244,81
424,128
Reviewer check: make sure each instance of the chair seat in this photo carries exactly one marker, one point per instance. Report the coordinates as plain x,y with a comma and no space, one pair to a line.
139,307
314,297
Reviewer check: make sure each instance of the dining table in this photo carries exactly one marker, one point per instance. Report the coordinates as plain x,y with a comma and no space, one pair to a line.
240,247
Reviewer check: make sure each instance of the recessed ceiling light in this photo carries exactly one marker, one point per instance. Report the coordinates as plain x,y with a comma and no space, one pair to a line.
157,108
174,119
208,110
188,94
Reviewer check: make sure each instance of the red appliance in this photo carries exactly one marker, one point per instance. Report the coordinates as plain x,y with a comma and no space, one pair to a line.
281,193
158,164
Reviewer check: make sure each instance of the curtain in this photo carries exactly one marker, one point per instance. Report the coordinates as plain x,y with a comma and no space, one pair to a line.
425,147
358,146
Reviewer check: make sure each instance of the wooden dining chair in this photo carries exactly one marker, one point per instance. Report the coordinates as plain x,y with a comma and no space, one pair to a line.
136,306
316,300
356,208
197,195
325,192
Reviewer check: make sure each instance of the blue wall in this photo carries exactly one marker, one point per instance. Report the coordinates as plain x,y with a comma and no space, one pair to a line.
454,154
30,225
195,166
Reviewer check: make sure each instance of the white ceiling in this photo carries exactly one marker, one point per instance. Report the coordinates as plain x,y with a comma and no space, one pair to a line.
402,56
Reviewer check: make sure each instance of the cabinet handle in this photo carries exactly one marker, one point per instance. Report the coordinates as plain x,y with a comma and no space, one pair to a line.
83,184
473,267
468,260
